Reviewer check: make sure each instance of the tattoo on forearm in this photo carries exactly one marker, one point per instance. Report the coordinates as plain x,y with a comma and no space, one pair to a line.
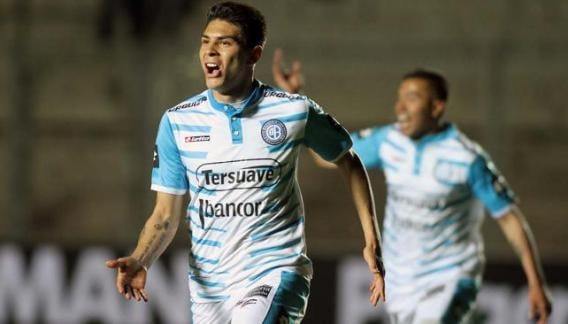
160,226
149,249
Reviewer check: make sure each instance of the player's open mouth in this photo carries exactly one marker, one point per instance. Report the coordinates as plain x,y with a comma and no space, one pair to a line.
212,70
402,119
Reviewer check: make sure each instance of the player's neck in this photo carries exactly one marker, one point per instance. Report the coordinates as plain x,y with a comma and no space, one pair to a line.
237,94
435,129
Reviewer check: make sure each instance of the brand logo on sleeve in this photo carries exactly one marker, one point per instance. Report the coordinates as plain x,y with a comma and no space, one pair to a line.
274,132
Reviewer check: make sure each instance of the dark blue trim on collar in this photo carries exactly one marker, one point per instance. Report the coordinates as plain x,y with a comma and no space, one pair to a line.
448,131
231,110
233,114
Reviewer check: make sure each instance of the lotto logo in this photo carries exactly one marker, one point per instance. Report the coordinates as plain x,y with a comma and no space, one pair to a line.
200,138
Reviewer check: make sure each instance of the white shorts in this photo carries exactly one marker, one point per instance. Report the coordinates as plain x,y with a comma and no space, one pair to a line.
281,297
450,302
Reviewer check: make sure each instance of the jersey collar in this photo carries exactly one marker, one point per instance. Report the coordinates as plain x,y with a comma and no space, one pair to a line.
448,131
228,109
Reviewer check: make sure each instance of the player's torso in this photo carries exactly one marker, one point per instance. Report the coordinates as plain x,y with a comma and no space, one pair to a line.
242,174
242,159
426,177
429,203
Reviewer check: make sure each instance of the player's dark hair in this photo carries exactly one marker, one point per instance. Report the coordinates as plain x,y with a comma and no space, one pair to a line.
436,81
250,21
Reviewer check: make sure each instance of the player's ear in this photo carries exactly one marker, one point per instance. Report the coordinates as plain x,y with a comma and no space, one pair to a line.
439,108
255,54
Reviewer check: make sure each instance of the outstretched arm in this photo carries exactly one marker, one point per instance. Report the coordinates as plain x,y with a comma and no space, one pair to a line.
358,182
158,232
519,235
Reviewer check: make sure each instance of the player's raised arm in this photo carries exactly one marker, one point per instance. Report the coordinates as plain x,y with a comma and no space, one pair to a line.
158,232
357,181
290,80
519,235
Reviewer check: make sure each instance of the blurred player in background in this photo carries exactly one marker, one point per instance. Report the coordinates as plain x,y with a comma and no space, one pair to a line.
436,179
234,148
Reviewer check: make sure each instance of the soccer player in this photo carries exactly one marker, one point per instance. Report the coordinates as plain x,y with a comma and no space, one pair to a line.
436,177
234,148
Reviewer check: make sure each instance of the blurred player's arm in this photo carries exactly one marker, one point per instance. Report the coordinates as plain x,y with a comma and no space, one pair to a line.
292,80
289,80
156,235
519,235
358,183
490,187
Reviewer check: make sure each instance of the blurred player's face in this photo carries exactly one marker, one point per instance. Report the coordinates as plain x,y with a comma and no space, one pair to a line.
417,111
228,66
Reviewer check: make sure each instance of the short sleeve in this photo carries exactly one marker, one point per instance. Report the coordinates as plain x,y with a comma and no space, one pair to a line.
366,144
168,171
490,187
325,135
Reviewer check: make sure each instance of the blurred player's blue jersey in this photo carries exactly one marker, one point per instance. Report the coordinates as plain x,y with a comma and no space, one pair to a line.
239,164
432,216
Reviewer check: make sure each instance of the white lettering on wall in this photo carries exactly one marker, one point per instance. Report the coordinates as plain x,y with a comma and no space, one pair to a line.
37,292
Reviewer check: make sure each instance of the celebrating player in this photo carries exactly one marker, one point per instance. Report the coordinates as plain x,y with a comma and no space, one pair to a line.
435,178
234,148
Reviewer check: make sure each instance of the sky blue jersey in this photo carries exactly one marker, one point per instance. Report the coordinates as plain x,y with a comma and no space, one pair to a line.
239,164
432,216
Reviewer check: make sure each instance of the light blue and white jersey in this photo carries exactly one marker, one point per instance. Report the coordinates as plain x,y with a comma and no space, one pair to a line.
432,215
239,164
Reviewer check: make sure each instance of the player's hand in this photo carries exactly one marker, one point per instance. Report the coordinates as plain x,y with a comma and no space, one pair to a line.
288,80
540,306
377,287
131,278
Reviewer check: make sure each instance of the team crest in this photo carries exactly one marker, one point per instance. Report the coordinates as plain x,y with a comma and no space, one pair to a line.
274,132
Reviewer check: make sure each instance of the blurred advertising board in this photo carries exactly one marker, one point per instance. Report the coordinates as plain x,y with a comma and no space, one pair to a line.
47,284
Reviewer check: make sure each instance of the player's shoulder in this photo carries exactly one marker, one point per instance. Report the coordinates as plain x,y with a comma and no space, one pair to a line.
274,93
273,96
189,103
463,148
461,140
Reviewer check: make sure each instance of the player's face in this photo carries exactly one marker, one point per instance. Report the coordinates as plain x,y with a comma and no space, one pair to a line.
224,60
416,110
